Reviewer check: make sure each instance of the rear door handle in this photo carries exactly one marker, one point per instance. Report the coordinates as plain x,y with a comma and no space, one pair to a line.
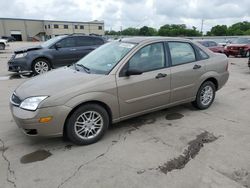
72,49
197,66
160,75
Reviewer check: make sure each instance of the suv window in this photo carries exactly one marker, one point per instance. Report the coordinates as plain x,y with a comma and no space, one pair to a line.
181,53
98,41
148,58
84,41
68,42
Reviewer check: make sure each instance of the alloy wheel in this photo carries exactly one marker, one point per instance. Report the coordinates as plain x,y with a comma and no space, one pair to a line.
88,125
41,67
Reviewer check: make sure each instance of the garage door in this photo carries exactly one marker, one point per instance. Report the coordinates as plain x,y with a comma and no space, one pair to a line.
17,35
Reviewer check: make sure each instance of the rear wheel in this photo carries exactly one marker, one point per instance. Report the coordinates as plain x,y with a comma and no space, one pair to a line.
87,124
40,66
2,46
205,95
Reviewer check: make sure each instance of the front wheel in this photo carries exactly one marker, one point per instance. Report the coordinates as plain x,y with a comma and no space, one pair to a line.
2,46
205,95
87,124
40,66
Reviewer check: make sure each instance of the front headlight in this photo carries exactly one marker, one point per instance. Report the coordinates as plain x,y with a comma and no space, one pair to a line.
20,55
32,103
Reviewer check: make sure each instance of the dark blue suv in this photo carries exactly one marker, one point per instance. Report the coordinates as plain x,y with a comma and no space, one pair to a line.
56,52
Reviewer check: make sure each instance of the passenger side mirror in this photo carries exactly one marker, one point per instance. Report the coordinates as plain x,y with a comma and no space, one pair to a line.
130,72
58,45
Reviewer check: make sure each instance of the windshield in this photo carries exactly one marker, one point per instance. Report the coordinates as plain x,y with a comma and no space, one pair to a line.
49,42
104,59
241,41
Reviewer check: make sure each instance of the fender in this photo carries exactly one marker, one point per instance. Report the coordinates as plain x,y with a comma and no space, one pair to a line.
108,99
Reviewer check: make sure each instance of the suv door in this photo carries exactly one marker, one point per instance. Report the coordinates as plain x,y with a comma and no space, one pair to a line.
66,52
186,71
149,90
85,45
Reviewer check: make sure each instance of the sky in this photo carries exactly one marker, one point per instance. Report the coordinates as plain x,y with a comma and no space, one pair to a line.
120,14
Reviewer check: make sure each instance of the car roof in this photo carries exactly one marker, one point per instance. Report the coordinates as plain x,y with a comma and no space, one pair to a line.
152,39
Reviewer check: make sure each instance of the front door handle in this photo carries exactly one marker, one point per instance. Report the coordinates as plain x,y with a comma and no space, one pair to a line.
197,66
160,75
72,49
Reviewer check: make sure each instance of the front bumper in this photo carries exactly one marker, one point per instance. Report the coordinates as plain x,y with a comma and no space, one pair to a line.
19,64
28,121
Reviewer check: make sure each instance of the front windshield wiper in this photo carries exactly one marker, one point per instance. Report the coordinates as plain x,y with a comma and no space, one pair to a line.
87,70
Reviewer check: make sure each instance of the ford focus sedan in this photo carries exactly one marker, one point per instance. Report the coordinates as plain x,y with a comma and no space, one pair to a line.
119,80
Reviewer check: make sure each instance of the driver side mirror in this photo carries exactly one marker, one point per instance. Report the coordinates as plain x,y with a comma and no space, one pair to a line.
130,72
58,45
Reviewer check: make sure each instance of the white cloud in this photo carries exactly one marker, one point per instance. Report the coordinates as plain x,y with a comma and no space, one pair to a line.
131,13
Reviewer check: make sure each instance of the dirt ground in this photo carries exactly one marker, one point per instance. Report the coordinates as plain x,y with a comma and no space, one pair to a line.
176,147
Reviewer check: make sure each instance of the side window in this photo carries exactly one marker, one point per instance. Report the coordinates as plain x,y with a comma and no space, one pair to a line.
181,53
205,44
148,58
98,41
84,41
211,44
68,42
202,54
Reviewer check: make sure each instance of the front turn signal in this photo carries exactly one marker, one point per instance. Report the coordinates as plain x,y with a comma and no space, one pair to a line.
45,119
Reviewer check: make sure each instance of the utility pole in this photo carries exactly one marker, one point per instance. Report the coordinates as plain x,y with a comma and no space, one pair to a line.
202,23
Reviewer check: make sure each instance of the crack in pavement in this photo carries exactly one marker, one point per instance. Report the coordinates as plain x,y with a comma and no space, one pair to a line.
90,161
10,171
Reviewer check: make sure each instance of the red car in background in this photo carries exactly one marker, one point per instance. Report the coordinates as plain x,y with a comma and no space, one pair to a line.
238,47
213,46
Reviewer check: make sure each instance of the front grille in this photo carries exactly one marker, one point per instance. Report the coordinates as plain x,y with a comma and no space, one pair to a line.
15,100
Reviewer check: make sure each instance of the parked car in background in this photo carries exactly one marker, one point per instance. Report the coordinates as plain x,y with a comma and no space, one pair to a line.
213,46
3,44
9,38
56,52
238,47
119,80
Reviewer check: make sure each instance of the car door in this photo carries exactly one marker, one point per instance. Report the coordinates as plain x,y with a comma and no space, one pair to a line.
85,45
64,52
186,71
149,90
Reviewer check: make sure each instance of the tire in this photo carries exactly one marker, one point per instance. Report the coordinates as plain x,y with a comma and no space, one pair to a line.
247,53
40,66
2,46
80,130
204,103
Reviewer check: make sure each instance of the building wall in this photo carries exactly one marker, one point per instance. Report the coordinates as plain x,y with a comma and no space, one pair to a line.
88,28
39,29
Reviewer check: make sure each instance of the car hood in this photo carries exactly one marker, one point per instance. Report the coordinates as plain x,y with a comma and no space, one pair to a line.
56,83
27,49
236,45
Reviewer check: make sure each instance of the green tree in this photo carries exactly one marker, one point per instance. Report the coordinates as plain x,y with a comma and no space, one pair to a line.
147,31
130,31
218,30
174,30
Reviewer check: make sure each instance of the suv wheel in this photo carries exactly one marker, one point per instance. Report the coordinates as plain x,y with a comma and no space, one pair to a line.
205,95
87,124
2,46
40,66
